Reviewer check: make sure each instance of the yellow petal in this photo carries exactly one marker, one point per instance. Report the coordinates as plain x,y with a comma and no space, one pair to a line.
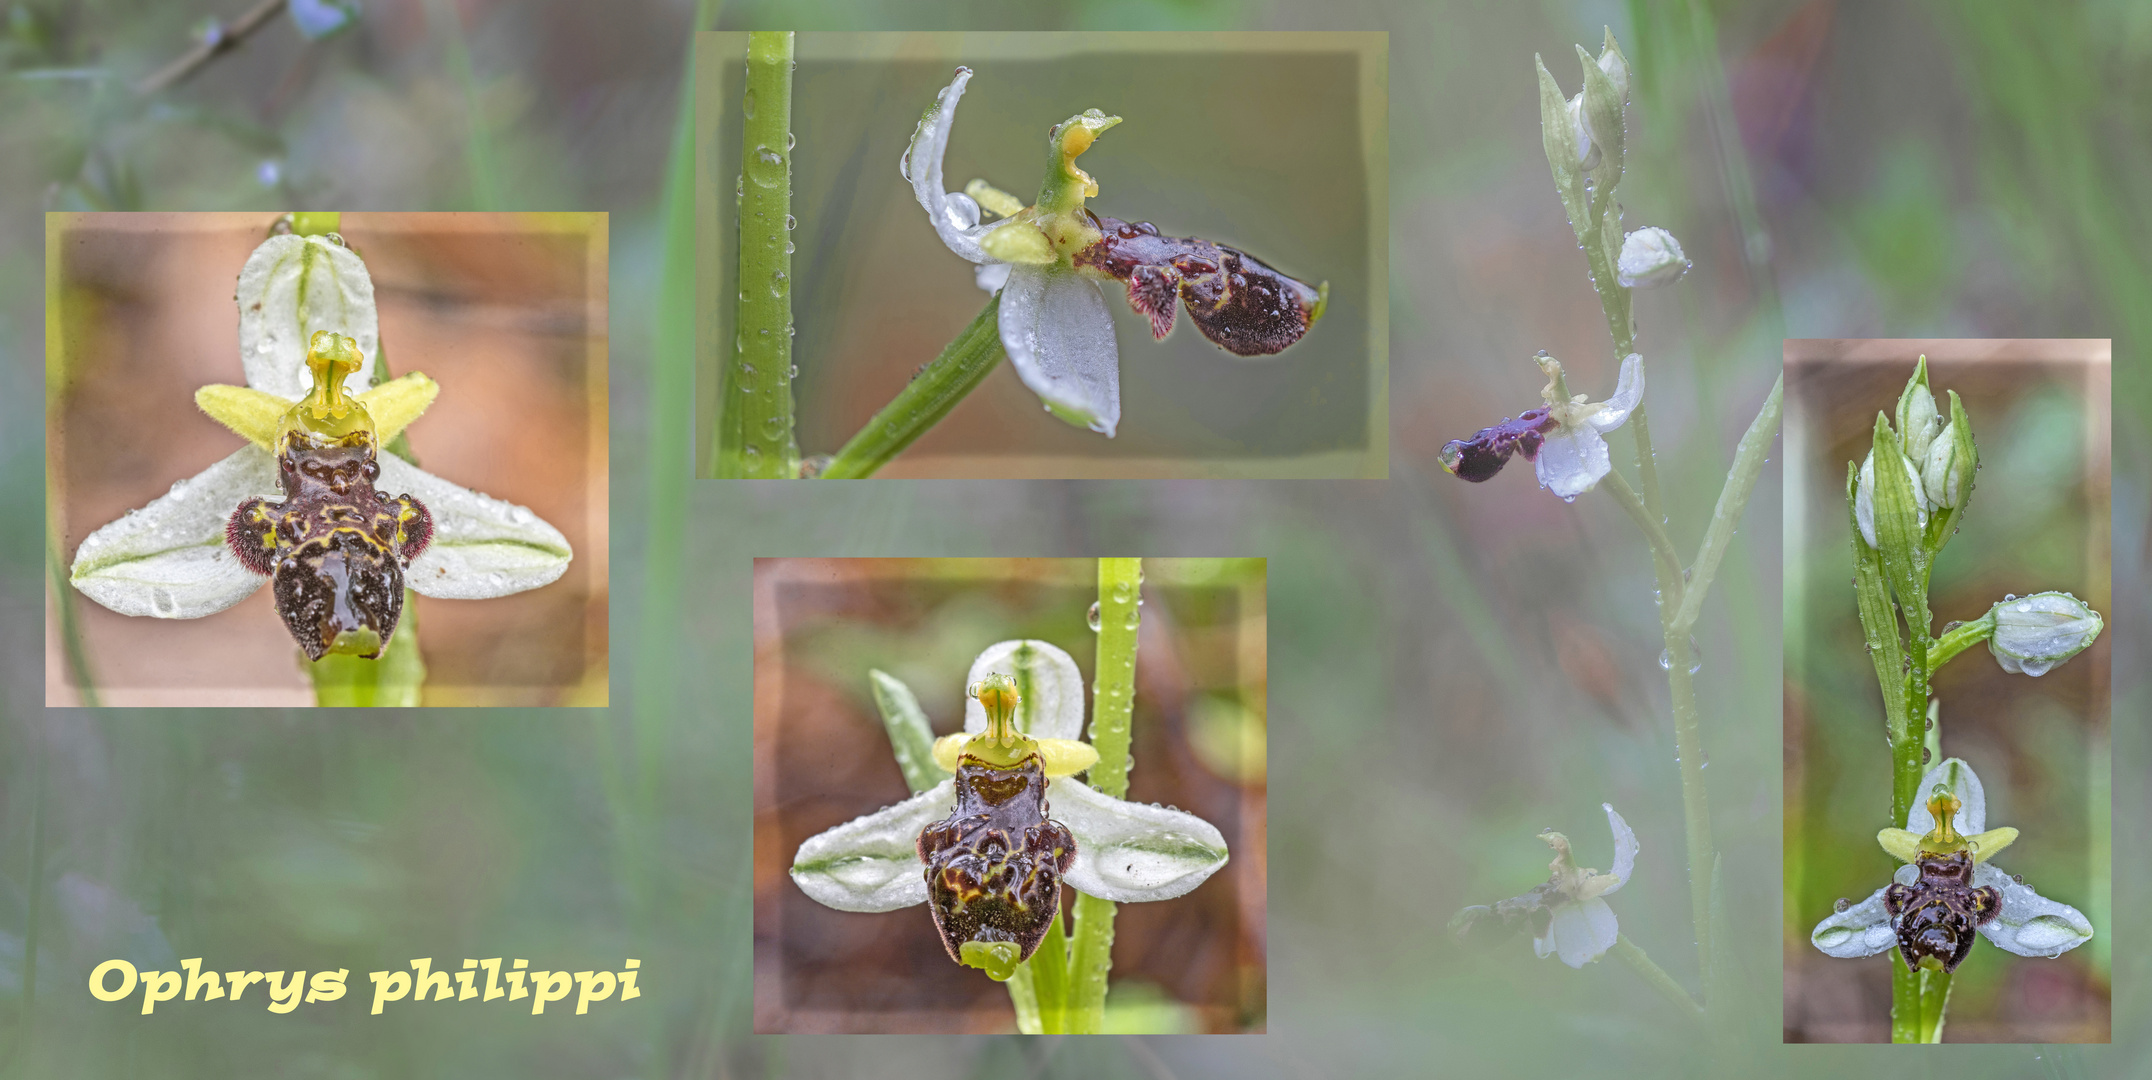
397,402
254,414
948,749
1988,843
1903,844
1066,757
1018,242
993,198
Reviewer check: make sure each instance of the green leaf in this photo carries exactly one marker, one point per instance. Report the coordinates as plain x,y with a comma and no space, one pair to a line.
1878,623
911,737
1900,518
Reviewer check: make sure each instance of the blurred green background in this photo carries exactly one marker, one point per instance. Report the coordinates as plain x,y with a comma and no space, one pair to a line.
1272,146
1454,666
2038,521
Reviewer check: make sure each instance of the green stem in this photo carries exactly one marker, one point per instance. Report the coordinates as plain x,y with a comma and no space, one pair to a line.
1958,639
1934,999
1906,765
1113,695
1024,995
963,364
1048,970
1695,805
1628,952
1662,548
755,412
1749,457
1904,1004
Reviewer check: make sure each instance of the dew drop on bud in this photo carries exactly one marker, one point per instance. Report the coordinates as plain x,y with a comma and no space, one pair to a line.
1842,904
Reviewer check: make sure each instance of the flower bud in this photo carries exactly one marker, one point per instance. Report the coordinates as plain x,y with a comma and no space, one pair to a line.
1650,258
2035,633
1587,151
1864,500
1944,475
1920,424
1615,65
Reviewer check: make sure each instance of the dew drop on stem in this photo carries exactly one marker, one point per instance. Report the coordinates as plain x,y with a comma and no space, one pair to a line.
1696,658
1092,617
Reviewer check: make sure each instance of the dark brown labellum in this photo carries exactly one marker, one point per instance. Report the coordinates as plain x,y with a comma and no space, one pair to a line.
1938,915
1241,305
335,548
1484,454
994,865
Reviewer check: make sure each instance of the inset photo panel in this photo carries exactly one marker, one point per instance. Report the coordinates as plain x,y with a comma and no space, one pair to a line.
1010,795
1042,255
334,459
1948,865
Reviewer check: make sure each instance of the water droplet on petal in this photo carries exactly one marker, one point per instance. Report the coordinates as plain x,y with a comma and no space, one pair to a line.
163,604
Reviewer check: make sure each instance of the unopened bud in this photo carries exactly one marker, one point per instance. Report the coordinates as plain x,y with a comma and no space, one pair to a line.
1946,472
1587,150
1864,500
2035,633
1650,258
1921,424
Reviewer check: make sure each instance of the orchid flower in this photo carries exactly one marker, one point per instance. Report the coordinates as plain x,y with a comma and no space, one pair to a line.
989,847
1948,888
1568,915
1054,324
1564,438
339,551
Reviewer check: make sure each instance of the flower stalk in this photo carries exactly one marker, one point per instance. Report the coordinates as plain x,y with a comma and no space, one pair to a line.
1584,142
963,364
755,421
1112,703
